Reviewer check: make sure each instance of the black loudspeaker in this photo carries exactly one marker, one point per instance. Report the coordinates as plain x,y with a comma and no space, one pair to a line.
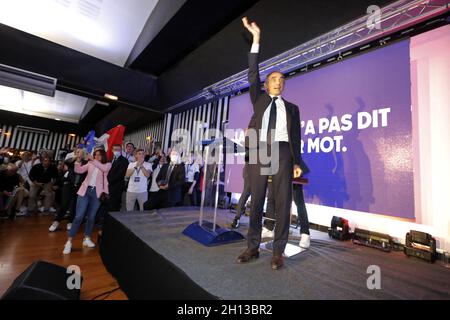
339,229
42,281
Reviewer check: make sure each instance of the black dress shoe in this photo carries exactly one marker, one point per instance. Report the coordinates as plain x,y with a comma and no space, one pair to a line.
235,223
248,255
277,261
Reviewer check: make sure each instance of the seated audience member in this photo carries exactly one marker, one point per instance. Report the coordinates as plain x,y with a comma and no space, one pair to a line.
35,158
138,172
116,175
12,191
171,180
43,177
88,201
5,156
25,165
156,195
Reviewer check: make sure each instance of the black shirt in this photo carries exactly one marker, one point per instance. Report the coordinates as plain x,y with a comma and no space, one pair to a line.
7,182
40,174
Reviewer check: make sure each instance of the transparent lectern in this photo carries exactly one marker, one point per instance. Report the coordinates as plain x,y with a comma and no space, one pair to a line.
206,232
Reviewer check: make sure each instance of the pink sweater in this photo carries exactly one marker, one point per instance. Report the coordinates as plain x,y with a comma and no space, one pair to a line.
100,186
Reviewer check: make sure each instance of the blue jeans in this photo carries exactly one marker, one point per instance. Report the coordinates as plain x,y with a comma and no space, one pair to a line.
88,204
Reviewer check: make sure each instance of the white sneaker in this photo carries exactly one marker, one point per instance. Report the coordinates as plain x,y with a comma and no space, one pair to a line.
52,210
22,212
87,242
41,209
69,226
54,226
266,233
305,241
67,247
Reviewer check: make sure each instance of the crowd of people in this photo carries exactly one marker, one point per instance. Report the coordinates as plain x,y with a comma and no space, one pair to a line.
81,186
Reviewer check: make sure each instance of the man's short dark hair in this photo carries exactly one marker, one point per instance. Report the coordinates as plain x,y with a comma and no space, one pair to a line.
275,71
129,144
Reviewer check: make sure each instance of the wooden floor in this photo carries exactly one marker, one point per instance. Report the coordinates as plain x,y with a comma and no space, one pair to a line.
27,239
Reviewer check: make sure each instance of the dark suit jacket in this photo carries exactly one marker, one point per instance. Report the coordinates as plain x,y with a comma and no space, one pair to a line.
260,103
116,175
176,181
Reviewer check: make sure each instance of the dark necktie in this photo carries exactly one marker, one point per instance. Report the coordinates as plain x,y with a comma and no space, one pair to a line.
169,172
272,120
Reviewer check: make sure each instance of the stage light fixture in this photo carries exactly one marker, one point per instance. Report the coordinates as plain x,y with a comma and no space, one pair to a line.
339,229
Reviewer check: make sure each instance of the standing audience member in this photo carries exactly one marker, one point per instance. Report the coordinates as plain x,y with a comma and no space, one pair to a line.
43,176
57,186
88,201
129,151
138,172
116,178
171,180
246,192
70,185
155,199
192,179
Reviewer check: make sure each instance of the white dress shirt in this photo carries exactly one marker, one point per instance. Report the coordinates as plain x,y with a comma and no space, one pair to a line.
154,186
129,157
281,133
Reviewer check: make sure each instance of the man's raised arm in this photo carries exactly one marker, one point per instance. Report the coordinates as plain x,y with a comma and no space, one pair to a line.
253,68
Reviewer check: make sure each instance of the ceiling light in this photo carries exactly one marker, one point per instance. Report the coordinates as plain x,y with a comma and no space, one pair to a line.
111,97
57,119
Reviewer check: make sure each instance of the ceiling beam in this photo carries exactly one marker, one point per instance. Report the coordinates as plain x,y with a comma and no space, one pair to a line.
163,12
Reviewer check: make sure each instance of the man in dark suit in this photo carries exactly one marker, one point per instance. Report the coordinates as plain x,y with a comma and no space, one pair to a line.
116,176
171,180
276,132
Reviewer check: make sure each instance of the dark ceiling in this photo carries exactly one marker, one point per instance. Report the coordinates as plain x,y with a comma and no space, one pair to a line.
202,43
194,23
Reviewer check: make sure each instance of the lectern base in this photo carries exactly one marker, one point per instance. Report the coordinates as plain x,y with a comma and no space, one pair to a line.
206,236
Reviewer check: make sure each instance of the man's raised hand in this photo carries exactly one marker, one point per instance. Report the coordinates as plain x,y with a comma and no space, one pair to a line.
253,29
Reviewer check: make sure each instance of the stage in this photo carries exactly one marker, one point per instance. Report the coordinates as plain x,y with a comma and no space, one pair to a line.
151,259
